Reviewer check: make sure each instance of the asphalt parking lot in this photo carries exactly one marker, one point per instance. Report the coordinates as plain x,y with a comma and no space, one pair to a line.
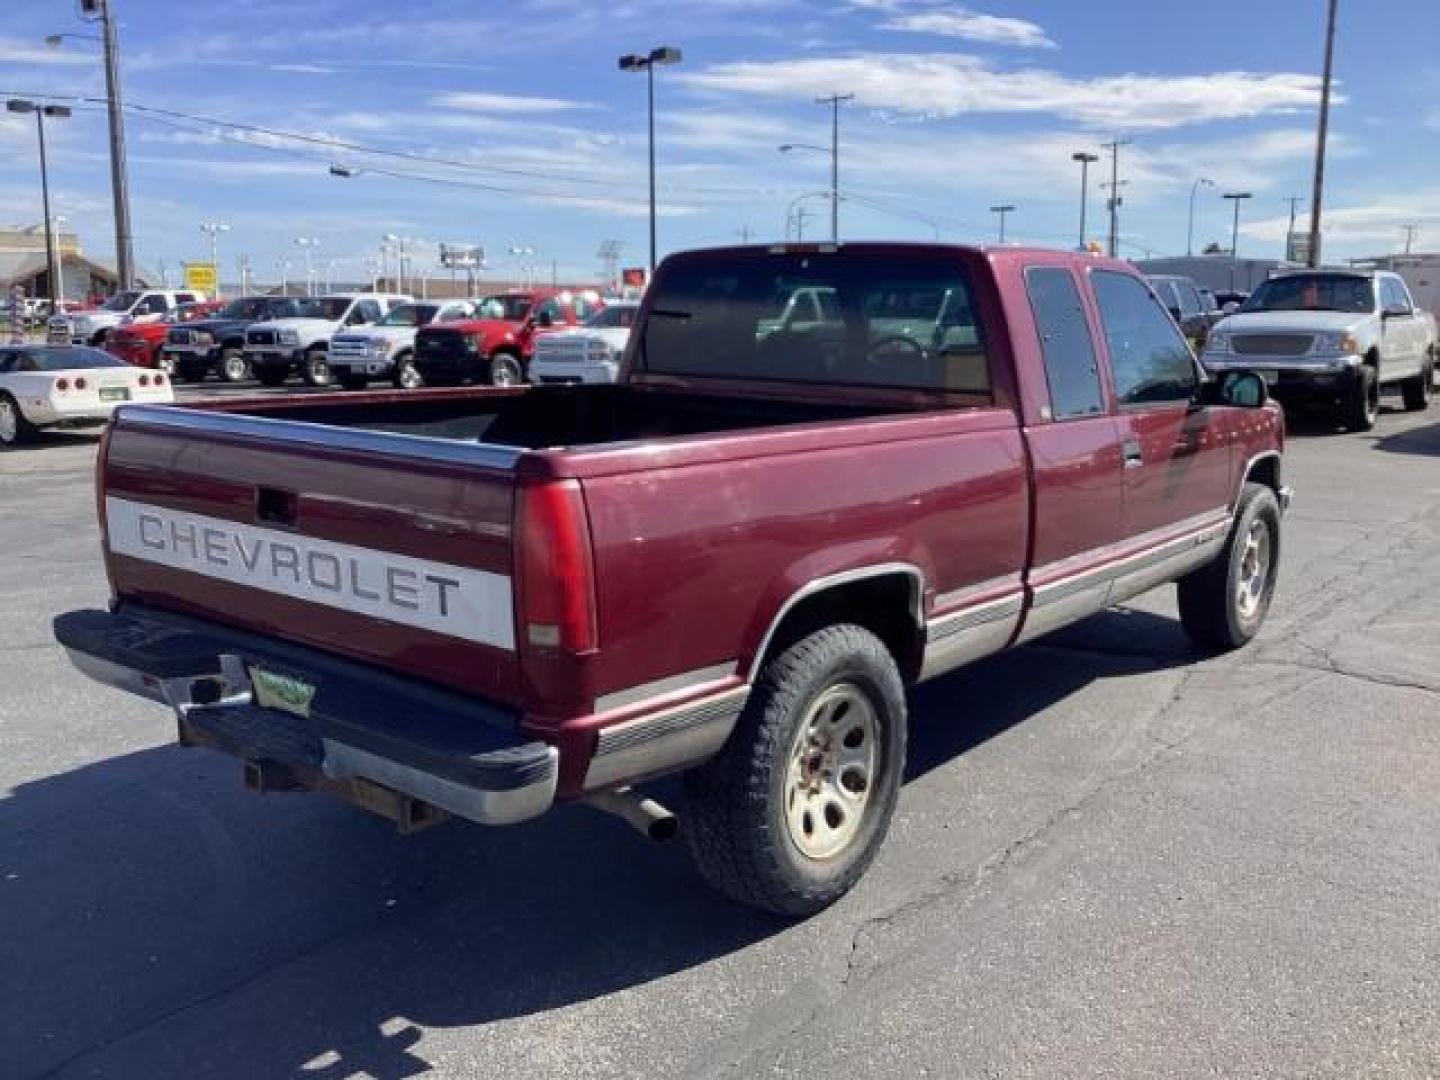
1111,858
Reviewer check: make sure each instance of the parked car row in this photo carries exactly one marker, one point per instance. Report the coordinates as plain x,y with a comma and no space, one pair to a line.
358,338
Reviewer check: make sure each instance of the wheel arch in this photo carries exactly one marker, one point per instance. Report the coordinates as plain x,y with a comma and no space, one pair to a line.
1264,469
886,599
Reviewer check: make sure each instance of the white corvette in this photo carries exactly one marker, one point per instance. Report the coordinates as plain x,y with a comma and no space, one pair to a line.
68,386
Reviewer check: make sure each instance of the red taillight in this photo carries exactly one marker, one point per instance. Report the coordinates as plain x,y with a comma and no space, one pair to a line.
80,384
144,380
62,385
557,570
159,378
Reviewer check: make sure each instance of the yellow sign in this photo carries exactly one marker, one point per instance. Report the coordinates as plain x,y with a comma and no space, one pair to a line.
201,276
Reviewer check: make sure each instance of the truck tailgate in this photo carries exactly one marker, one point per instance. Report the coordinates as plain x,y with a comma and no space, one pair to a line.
387,549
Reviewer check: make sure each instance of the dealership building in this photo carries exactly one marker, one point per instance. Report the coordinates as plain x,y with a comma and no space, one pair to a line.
23,262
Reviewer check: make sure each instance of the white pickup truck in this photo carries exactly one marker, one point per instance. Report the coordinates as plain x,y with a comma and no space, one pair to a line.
127,306
1334,337
387,349
589,353
275,348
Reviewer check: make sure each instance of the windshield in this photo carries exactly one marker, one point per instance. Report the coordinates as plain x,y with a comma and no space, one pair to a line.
330,308
410,315
848,319
510,308
621,315
62,358
1313,292
121,301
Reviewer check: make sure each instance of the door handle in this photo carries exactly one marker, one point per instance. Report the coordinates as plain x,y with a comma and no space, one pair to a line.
1134,458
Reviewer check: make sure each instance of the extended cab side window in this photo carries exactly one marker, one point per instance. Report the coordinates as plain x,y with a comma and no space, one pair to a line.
1149,357
152,305
1065,343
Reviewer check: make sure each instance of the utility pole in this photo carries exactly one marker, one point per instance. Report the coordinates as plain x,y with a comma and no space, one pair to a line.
1115,185
242,263
835,101
119,184
1321,136
1410,231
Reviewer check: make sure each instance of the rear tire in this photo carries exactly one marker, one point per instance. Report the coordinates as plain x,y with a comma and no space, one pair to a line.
1417,391
1223,604
1361,408
15,430
790,813
233,366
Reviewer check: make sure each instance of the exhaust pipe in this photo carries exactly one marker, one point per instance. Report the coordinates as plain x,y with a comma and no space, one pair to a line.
640,813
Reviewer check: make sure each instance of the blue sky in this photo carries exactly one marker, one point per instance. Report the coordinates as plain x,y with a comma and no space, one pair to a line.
958,107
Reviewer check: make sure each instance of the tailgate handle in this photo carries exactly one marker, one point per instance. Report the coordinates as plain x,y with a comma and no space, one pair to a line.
275,506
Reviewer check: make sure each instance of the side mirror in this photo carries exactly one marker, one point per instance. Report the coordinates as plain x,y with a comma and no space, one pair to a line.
545,319
1395,311
1231,306
1235,389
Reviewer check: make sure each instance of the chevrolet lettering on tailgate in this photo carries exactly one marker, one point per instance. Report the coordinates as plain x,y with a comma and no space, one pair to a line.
470,604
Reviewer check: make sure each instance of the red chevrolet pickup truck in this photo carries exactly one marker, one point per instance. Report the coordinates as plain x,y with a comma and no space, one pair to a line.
731,565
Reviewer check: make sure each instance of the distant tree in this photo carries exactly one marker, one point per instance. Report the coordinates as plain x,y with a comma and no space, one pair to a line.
1213,248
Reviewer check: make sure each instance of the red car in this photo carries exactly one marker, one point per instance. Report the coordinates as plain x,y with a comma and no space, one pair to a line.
496,347
733,564
141,344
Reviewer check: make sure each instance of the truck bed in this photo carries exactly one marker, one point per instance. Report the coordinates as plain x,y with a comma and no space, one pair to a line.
553,417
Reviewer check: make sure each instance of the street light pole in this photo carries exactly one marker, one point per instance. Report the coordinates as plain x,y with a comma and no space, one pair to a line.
1086,160
212,229
308,243
1002,211
1236,197
1190,230
1321,136
664,54
17,105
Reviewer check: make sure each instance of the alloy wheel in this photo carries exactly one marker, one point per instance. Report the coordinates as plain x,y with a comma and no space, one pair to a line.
1254,577
831,771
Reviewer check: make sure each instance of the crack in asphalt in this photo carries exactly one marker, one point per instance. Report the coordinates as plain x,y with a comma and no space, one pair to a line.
1332,668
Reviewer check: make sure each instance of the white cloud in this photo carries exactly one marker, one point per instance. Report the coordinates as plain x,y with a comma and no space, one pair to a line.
936,85
21,51
972,26
504,103
1378,224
